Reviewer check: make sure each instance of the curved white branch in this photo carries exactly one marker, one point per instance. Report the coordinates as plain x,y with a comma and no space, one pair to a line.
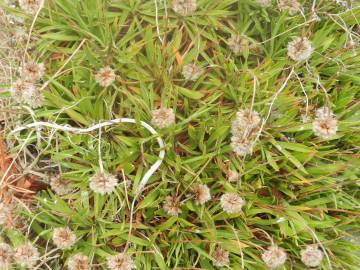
147,175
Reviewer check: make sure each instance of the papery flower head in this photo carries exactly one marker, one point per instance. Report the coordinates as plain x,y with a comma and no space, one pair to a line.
121,261
26,92
9,219
103,182
18,89
324,124
300,49
105,76
231,203
232,176
291,6
78,262
33,98
184,7
323,112
32,71
163,117
172,206
264,3
237,43
59,185
191,72
220,257
63,237
6,255
18,36
311,256
274,256
245,120
201,193
26,255
351,45
31,6
241,146
5,211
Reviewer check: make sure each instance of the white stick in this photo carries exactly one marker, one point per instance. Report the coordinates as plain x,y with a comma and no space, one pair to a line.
147,175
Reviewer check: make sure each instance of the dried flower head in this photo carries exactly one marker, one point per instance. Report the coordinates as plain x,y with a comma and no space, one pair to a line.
26,255
121,261
19,36
291,6
300,49
26,92
63,237
163,117
184,7
9,218
274,256
103,183
221,257
351,45
231,203
311,256
5,211
191,72
323,112
245,120
6,255
241,146
33,98
264,3
59,185
32,71
105,76
237,43
171,206
324,124
18,89
232,176
78,262
31,6
201,193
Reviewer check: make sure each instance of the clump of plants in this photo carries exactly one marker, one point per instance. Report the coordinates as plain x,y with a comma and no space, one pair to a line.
179,134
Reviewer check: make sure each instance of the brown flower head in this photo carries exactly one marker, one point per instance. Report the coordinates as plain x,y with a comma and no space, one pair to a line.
201,193
300,49
26,255
78,262
63,237
231,203
6,255
237,43
184,7
59,185
220,257
241,146
291,6
32,71
163,117
171,206
121,261
311,256
274,256
191,72
105,76
103,183
324,124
